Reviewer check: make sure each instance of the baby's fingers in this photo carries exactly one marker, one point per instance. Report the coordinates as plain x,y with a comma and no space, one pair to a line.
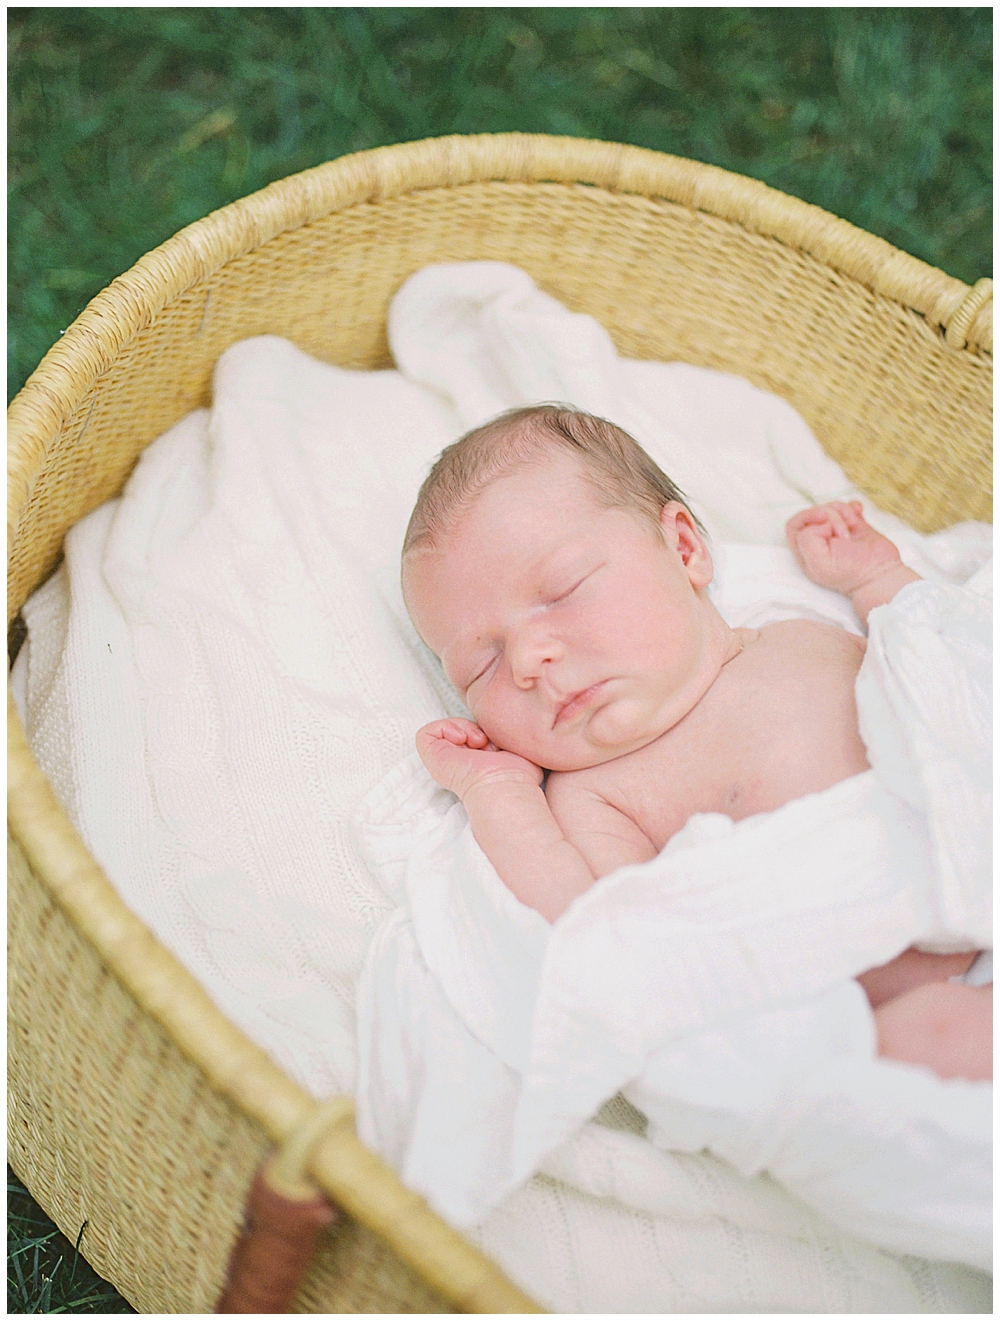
806,518
851,512
841,528
440,729
835,519
463,733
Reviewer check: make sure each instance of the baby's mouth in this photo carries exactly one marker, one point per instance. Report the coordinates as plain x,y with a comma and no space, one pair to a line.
576,702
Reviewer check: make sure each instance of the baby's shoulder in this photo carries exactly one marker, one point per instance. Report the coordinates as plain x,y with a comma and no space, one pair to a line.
592,789
610,784
593,811
813,634
567,786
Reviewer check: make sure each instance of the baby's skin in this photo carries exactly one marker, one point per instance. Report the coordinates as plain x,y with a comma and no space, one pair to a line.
583,640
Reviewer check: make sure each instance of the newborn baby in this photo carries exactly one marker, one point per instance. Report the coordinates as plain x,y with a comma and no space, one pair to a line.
562,581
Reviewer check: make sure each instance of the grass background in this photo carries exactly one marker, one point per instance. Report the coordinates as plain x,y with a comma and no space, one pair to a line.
45,1272
126,124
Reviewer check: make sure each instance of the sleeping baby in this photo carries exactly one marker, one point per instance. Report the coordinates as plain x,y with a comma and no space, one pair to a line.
561,579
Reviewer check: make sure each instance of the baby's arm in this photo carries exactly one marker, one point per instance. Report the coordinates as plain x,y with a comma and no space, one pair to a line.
510,816
944,1026
606,837
839,550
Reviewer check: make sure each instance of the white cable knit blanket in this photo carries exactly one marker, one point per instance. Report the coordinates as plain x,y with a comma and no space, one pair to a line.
222,670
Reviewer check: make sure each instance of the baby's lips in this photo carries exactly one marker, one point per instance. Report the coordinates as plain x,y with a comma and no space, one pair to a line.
575,703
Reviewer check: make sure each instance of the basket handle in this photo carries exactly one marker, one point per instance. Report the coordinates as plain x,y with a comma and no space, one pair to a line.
956,331
285,1216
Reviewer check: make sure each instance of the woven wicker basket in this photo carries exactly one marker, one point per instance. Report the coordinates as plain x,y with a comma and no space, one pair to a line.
135,1105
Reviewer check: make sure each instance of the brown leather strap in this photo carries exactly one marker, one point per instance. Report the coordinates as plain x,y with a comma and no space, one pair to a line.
285,1215
275,1248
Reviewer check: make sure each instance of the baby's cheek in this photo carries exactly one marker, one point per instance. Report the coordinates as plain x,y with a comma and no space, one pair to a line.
500,725
618,724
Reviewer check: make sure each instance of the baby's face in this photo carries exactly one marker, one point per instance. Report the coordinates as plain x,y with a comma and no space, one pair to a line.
575,633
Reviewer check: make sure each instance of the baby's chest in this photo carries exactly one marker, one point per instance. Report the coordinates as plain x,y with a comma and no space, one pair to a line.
660,787
787,733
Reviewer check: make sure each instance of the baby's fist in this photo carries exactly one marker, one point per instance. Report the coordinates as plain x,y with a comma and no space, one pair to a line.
838,549
460,756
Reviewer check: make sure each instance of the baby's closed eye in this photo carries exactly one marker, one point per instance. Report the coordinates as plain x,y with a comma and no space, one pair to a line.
560,591
556,597
481,671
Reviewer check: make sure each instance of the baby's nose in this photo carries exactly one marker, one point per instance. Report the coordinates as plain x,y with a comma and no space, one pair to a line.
530,654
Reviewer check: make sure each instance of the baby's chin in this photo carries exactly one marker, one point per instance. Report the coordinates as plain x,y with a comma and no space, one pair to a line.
610,734
566,757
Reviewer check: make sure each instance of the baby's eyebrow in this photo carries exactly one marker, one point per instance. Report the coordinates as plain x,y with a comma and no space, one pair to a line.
568,558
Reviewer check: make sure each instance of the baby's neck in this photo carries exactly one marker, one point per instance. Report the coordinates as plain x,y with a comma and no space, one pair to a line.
720,646
719,651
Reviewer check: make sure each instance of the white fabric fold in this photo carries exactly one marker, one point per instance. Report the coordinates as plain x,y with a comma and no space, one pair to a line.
925,711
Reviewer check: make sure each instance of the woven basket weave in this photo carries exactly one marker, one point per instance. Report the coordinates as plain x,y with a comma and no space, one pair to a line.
135,1105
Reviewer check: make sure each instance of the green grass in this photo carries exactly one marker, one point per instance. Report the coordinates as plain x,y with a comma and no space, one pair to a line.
126,124
45,1272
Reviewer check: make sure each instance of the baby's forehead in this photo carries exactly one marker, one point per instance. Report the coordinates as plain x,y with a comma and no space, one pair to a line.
550,473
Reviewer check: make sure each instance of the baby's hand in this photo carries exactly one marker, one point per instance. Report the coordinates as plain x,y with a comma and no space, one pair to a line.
838,549
460,756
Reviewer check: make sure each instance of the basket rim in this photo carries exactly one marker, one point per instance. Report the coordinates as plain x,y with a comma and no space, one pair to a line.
357,1179
231,1062
133,299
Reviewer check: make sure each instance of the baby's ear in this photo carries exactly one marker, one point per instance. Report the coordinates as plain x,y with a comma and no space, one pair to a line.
682,535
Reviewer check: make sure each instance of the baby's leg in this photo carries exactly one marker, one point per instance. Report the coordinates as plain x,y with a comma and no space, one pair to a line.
910,969
946,1026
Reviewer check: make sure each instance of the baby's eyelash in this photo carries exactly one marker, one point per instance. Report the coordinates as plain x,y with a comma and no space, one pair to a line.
570,590
480,673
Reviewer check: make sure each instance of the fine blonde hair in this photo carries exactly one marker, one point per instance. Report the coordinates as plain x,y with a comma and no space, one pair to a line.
620,471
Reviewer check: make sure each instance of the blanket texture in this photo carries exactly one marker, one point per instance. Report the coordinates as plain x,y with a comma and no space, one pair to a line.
222,669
